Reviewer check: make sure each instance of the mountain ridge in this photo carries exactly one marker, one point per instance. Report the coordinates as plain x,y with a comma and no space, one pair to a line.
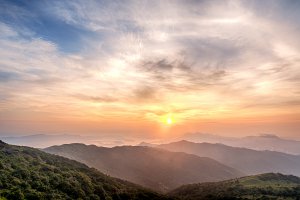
257,142
155,168
246,160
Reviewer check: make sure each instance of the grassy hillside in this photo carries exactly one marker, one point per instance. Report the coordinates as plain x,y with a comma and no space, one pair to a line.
27,173
264,186
155,168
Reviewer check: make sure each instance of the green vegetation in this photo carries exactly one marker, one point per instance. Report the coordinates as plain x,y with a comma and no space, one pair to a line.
28,173
264,186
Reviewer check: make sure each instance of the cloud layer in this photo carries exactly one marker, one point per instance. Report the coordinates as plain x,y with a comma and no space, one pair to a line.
144,60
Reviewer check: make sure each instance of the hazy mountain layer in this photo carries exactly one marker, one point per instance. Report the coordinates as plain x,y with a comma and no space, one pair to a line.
44,140
261,142
246,160
151,167
264,186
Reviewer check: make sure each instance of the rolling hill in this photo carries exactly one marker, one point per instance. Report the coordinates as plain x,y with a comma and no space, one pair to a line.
28,173
248,161
264,186
157,169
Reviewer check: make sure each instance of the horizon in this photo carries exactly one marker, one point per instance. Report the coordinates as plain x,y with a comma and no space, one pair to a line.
150,70
260,142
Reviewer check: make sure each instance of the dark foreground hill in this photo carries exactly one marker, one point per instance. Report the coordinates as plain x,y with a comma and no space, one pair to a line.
27,173
248,161
264,186
155,168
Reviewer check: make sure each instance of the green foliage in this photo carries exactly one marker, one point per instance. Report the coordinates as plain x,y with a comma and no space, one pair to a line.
28,173
264,186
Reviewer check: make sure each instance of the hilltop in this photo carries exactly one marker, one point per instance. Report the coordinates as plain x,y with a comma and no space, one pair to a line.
264,186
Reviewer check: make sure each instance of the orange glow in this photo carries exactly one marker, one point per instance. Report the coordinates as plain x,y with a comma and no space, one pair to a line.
176,70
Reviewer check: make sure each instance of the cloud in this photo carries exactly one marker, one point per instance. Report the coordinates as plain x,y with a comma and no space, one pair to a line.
140,57
7,76
7,31
146,93
159,65
96,99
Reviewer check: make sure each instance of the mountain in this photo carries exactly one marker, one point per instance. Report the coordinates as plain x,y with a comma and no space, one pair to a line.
264,186
246,160
146,144
28,173
270,142
157,169
262,142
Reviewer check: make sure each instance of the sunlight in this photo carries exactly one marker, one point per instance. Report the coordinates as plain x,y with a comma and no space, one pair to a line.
169,121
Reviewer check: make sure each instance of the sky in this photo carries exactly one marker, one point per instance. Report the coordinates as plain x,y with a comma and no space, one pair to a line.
150,69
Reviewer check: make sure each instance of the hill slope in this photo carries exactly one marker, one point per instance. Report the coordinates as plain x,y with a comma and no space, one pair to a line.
27,173
264,186
246,160
151,167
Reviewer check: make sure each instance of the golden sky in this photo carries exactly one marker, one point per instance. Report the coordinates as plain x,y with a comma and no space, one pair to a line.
150,68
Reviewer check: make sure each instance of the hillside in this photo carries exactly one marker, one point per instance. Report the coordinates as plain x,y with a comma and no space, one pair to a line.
246,160
28,173
264,186
155,168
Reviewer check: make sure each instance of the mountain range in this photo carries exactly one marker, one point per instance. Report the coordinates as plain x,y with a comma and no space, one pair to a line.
154,168
247,161
261,142
28,173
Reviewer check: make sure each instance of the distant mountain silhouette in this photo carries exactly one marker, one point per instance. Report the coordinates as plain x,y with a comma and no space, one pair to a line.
155,168
45,140
264,186
28,173
246,160
146,144
261,142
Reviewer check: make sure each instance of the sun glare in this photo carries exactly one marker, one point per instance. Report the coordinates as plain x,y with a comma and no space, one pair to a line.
169,120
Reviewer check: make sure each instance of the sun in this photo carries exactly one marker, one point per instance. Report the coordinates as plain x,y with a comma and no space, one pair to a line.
169,121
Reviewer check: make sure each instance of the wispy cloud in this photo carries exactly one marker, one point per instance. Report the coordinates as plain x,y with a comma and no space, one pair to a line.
149,58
